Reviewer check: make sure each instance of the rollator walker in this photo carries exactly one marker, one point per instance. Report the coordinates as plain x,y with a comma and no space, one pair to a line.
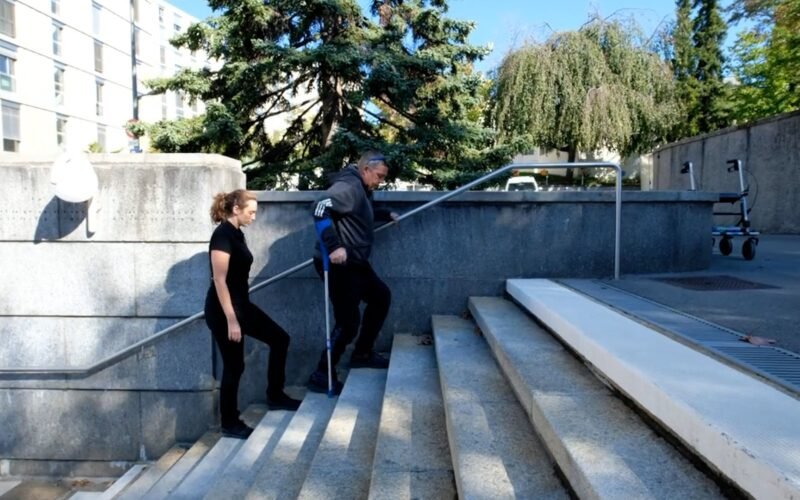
742,227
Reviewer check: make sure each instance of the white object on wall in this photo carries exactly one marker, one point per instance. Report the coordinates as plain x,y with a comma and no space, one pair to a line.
73,178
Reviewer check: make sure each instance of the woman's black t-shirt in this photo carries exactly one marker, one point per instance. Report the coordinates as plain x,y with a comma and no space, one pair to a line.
229,239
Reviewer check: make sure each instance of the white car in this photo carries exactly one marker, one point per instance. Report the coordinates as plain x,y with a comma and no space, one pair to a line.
522,183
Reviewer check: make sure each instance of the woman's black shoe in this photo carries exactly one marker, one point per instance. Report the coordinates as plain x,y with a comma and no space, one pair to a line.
238,430
282,401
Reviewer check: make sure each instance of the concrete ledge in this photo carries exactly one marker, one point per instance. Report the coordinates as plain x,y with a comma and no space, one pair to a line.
740,426
412,457
495,453
342,466
600,445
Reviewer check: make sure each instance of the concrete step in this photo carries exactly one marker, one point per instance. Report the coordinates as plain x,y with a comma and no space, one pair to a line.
6,486
236,479
39,489
342,465
199,480
178,472
412,457
602,447
739,425
495,453
282,475
153,474
123,482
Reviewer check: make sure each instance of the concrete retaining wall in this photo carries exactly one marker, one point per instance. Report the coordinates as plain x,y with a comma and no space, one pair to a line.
87,279
770,151
78,296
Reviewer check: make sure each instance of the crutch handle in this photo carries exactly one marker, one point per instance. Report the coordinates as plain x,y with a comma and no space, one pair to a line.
320,226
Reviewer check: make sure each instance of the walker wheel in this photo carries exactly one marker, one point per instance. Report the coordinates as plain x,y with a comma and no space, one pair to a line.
725,246
749,248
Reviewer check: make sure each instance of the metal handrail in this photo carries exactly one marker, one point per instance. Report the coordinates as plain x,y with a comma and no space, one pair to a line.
132,349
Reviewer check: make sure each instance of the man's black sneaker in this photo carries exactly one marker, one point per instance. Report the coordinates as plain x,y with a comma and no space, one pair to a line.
238,430
318,382
282,401
369,360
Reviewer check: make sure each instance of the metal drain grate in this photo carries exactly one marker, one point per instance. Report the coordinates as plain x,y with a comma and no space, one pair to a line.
771,362
714,283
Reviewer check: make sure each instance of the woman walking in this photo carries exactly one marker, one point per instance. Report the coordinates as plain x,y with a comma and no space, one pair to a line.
230,314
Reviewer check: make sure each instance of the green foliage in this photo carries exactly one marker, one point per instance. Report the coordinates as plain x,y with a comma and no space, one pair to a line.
710,111
136,128
94,148
584,90
767,58
338,83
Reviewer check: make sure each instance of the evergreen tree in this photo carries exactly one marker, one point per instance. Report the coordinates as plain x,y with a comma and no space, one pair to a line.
684,64
402,83
711,109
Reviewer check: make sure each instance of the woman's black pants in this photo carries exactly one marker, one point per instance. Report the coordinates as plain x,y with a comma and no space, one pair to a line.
256,324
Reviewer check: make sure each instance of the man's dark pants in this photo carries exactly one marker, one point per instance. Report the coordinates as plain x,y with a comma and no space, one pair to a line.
349,285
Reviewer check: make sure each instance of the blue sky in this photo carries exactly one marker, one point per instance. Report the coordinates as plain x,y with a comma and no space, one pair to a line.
508,23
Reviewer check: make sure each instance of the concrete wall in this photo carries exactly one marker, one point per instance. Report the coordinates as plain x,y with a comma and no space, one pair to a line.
87,279
770,150
79,295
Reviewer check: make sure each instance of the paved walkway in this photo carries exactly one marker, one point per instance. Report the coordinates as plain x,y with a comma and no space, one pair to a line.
765,312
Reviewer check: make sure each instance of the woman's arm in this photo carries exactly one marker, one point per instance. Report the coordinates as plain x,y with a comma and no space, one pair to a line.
219,268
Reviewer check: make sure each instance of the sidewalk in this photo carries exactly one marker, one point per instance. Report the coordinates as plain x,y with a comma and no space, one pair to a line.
765,312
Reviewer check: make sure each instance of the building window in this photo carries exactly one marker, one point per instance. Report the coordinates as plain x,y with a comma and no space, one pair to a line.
55,6
61,131
96,15
58,81
101,137
58,33
7,18
98,91
98,56
163,58
176,24
194,106
161,16
10,127
178,105
7,80
164,106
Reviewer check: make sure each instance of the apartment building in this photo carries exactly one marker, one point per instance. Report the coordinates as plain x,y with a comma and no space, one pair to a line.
67,75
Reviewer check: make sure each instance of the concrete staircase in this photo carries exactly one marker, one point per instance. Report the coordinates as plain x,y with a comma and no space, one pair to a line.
547,395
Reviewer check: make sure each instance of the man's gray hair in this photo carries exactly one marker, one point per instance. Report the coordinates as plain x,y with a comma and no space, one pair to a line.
371,159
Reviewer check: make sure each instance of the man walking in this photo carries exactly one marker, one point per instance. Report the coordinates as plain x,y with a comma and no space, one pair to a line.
346,212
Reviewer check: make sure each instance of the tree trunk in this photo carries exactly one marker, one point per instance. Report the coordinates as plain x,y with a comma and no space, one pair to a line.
572,155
